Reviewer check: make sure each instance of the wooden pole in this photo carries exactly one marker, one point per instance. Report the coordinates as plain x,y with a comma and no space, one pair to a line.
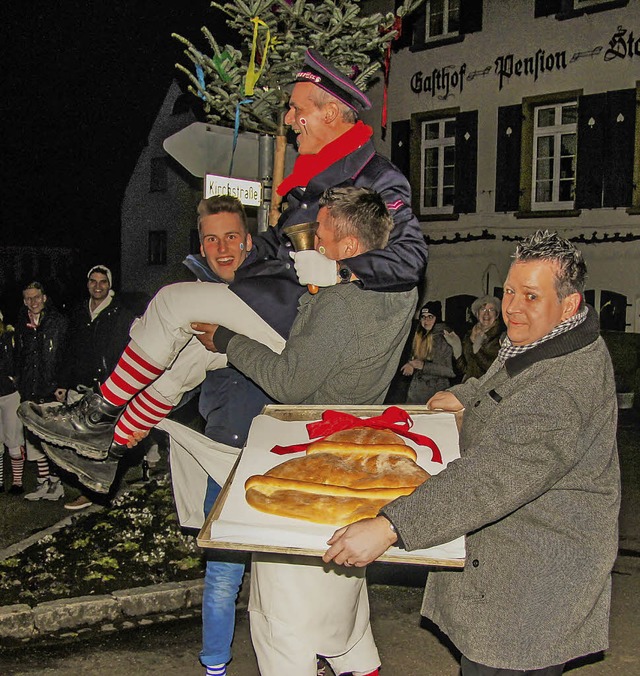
278,170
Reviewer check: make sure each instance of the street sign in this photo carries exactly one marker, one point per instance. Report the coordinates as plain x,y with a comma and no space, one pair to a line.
248,192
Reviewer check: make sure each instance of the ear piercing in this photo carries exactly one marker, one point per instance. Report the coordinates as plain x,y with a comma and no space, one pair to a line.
303,121
322,250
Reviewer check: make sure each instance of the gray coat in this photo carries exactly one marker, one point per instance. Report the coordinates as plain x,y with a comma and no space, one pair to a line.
537,491
344,348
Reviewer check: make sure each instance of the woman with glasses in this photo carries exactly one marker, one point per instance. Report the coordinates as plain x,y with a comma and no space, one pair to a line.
430,366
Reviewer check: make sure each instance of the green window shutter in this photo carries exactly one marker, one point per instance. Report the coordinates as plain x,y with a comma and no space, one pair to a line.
619,144
466,176
509,140
547,7
470,16
400,140
408,22
590,152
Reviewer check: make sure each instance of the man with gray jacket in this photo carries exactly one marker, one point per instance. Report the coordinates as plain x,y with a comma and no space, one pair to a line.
343,349
536,490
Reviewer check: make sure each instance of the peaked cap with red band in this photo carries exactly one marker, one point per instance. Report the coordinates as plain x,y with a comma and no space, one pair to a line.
325,75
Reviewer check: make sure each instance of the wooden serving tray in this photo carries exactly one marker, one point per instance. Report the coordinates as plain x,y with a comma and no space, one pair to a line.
307,413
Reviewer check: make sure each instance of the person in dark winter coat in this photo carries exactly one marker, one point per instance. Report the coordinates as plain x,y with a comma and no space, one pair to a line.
430,366
98,331
40,335
39,340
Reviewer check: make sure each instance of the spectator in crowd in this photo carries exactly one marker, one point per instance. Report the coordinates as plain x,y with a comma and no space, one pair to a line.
536,489
39,340
98,333
430,367
480,345
11,434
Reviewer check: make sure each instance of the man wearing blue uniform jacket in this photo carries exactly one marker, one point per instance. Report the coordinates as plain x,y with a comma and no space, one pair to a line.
335,151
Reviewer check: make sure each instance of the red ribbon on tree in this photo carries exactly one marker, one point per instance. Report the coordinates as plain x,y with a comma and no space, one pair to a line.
393,418
397,26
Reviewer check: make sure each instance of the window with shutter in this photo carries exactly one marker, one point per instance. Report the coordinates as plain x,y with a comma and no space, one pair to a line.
440,22
442,18
444,163
577,152
554,156
437,166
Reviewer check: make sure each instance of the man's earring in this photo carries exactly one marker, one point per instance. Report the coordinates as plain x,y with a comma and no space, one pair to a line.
241,246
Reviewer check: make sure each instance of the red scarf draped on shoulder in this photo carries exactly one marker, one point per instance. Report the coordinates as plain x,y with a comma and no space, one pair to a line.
308,166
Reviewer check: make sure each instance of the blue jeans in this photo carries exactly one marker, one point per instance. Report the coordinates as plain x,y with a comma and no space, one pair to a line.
222,582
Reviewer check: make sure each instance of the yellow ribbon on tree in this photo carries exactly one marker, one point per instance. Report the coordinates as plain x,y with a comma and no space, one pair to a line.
253,76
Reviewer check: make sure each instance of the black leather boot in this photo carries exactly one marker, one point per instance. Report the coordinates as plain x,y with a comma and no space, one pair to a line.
87,425
98,475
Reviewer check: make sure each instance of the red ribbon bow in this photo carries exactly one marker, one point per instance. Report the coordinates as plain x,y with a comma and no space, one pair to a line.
393,418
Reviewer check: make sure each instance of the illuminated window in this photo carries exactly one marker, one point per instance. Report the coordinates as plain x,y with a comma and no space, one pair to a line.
438,162
443,18
554,156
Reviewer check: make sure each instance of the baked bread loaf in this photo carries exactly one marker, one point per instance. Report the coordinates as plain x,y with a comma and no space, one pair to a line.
348,476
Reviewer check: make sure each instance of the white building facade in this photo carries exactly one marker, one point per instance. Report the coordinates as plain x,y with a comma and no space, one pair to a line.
510,116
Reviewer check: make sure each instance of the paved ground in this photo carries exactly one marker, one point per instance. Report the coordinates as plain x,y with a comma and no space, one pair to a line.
409,646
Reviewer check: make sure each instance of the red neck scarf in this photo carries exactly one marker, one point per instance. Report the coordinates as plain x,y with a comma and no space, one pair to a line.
393,418
308,166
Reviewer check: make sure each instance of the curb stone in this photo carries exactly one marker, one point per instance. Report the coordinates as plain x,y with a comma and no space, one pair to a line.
129,608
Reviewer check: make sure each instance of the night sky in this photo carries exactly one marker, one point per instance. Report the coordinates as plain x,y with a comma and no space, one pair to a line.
81,86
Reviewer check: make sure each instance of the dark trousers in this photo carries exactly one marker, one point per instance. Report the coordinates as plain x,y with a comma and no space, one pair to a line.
469,668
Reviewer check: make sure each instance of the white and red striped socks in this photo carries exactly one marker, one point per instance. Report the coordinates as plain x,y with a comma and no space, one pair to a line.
133,372
42,465
17,468
143,412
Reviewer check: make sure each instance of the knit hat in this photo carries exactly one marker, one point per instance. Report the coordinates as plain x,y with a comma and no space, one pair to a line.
485,300
433,307
324,74
102,269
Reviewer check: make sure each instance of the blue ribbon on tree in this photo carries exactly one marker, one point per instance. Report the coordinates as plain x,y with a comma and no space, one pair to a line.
236,131
201,82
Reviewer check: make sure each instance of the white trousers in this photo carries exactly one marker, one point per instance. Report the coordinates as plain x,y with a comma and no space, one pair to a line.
11,434
165,335
300,608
